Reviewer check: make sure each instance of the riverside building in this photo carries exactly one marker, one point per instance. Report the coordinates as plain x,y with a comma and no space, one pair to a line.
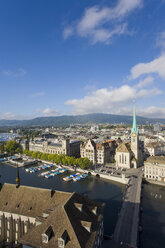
67,147
36,217
154,168
98,153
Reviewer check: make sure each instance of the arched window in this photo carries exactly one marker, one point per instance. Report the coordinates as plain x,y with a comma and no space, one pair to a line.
122,158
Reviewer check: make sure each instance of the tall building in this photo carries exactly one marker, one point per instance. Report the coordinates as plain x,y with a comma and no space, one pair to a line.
35,217
157,127
129,154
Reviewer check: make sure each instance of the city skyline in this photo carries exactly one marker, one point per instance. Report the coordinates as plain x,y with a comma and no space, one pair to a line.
77,58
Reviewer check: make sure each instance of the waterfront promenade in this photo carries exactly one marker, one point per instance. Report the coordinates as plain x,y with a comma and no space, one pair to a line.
126,230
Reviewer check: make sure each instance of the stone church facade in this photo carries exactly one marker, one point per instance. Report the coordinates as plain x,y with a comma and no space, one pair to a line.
129,154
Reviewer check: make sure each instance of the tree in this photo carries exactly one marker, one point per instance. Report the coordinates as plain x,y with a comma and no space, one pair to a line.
84,163
12,147
1,147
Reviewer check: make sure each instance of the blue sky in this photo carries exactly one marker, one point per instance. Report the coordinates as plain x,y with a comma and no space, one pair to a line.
76,57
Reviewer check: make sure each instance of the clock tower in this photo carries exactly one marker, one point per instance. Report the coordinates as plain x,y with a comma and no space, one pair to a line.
135,138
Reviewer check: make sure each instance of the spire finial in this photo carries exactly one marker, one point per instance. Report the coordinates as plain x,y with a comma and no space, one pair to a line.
134,126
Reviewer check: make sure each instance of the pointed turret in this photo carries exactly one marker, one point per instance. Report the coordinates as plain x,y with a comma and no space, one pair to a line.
134,127
17,178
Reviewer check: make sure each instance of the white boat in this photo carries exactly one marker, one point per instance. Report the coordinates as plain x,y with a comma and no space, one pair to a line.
67,179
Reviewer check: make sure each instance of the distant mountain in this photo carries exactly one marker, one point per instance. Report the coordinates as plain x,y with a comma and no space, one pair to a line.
79,119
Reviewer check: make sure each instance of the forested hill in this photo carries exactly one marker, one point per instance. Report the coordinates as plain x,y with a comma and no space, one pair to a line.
79,119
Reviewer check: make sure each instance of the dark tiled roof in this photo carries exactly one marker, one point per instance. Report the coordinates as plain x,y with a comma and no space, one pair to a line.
124,147
62,215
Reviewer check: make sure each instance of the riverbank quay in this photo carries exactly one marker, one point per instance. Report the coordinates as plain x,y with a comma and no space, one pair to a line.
153,182
22,163
122,180
127,227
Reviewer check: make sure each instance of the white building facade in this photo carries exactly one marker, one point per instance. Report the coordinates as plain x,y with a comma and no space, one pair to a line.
154,168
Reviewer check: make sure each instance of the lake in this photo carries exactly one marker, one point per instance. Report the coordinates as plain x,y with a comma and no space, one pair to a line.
8,136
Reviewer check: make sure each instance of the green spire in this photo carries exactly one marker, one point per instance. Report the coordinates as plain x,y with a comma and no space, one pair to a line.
134,127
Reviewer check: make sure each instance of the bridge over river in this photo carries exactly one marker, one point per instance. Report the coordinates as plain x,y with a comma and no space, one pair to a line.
127,227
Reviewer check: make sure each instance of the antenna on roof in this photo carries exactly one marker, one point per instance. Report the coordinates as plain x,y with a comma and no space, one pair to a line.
17,178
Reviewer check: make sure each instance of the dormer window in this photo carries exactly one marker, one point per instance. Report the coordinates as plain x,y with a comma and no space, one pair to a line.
87,225
79,206
45,238
94,210
62,241
47,235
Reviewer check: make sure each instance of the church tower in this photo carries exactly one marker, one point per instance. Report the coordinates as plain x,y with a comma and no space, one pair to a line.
135,138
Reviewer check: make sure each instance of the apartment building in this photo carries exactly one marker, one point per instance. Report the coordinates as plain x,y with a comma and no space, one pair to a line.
98,153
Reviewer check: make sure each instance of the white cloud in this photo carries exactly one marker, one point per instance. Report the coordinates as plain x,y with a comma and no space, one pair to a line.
109,100
38,94
7,72
9,116
156,66
101,24
20,72
152,112
38,113
105,35
160,42
47,112
68,32
145,82
90,87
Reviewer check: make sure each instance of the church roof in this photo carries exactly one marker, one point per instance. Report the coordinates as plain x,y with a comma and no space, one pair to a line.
124,147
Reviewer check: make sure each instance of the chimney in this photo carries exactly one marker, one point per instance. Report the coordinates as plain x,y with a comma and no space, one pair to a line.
52,193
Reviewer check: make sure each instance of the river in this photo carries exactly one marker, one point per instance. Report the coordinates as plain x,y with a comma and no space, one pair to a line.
153,217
